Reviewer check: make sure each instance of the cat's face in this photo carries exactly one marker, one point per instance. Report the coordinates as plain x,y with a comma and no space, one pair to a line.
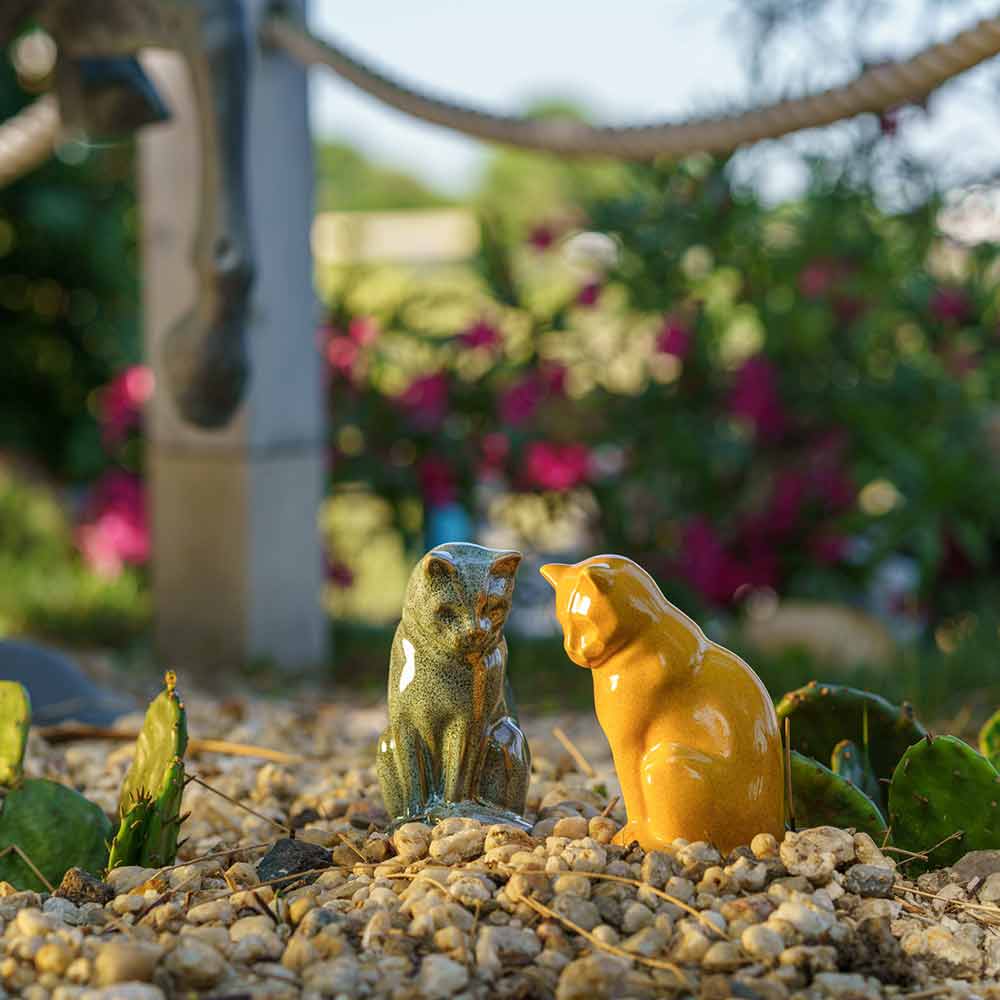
459,596
605,602
590,620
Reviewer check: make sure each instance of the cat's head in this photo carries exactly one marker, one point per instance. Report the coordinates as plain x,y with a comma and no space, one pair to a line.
459,596
602,603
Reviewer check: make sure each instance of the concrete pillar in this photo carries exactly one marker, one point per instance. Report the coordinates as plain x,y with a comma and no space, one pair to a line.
237,563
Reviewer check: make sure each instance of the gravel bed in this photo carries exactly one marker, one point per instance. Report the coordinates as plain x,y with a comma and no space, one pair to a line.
464,910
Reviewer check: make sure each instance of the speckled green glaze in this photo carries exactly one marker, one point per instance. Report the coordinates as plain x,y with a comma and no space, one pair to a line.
453,746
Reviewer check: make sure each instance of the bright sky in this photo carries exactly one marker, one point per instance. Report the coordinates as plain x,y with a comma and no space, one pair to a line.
635,60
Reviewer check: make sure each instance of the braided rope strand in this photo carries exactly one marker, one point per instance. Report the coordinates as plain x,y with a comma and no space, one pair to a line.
28,139
875,90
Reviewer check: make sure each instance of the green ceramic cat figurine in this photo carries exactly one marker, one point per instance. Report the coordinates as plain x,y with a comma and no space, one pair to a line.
453,746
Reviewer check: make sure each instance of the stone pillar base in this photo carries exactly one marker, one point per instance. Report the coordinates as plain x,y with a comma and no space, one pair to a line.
237,576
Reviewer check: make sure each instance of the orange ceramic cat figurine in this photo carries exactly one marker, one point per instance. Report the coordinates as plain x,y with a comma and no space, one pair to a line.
692,730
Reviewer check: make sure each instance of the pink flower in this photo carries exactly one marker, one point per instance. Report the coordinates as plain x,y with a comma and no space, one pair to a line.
363,330
553,466
542,237
519,402
437,481
674,339
553,377
717,573
494,448
480,334
818,277
122,401
426,400
950,305
754,398
342,353
113,530
787,500
589,294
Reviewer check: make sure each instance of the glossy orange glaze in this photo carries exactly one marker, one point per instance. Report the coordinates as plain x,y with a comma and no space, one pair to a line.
693,732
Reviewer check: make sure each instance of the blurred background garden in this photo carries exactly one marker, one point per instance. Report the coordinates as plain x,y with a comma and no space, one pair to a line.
779,396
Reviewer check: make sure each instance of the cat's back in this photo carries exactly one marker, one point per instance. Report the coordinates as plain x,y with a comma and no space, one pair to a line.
730,686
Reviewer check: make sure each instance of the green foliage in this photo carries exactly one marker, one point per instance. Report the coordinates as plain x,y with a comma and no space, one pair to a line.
748,397
850,762
989,738
56,827
348,181
15,720
940,788
822,715
45,588
822,798
53,825
68,297
149,809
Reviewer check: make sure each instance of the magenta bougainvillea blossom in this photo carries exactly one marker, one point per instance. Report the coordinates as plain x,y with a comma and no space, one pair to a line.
113,530
950,305
589,294
480,334
438,482
549,465
426,400
674,338
121,403
754,398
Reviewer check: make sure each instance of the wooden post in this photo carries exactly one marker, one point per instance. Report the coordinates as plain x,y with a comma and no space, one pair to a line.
237,563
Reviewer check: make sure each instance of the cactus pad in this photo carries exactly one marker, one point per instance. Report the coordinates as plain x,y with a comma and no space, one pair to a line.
822,798
989,739
56,827
15,718
149,809
942,786
849,761
824,714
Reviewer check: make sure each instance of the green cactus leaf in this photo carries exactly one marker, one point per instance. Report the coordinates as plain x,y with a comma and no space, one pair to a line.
940,788
149,809
821,715
989,739
15,720
850,762
56,827
822,798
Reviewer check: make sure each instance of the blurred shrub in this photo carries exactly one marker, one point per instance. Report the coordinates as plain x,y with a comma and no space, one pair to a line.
68,297
46,589
759,398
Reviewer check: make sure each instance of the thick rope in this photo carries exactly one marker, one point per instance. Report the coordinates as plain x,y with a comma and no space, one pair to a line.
27,139
875,90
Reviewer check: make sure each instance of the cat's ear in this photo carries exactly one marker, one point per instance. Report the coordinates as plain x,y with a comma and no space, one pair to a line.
602,577
439,564
554,572
506,564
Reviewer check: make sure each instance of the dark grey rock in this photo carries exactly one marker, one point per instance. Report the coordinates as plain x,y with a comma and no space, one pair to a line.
81,887
59,691
290,857
869,880
975,864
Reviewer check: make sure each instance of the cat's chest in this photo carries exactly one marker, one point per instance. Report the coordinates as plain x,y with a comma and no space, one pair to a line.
440,682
